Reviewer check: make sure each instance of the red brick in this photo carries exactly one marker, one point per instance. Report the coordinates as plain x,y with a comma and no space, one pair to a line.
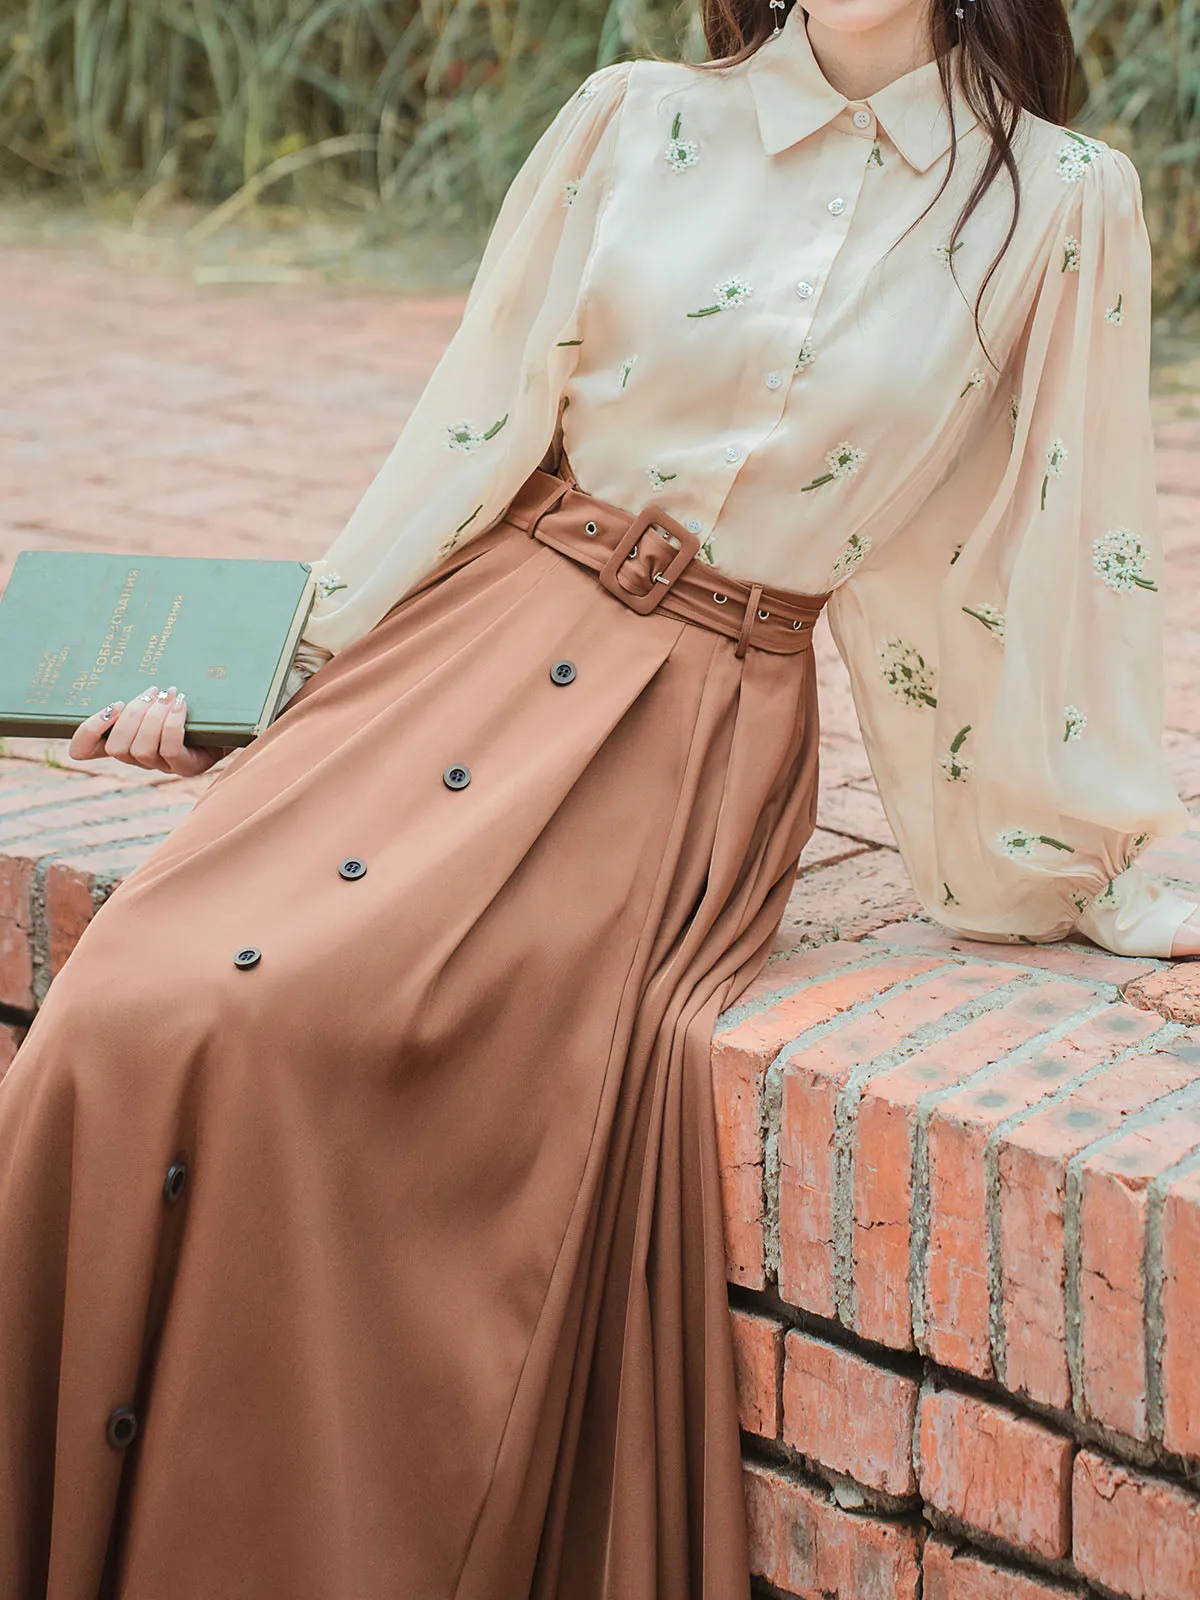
740,1058
996,1471
11,1035
824,848
856,813
757,1346
957,1300
1092,964
1032,1166
805,1544
1137,1535
1181,1315
1173,993
847,899
26,786
886,1120
68,910
953,1572
16,924
1112,1217
849,1414
812,1082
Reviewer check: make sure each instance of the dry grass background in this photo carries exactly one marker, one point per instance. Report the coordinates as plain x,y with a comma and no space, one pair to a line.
414,114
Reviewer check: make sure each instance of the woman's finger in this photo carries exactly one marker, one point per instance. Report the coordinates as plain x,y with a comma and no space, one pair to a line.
125,729
144,746
185,760
88,740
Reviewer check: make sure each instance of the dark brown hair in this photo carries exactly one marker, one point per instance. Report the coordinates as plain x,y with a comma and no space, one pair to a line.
1017,55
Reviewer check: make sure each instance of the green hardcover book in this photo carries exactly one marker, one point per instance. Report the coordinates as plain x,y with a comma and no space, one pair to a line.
78,631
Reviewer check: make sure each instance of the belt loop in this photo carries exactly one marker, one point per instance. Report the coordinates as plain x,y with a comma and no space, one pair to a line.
751,612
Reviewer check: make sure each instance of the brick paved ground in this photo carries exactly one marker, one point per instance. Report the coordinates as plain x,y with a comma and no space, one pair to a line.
962,1182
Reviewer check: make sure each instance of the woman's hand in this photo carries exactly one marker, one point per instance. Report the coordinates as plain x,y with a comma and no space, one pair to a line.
148,732
1187,940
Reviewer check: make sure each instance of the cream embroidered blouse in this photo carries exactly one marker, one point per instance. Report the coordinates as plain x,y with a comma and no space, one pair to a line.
729,277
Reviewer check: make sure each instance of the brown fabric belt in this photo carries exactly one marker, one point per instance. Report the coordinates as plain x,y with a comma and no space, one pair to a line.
647,561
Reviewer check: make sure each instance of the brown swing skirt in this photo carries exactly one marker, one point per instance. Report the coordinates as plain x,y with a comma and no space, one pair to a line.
432,1304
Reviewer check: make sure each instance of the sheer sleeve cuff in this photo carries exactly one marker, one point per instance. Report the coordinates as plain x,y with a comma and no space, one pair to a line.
1136,916
309,658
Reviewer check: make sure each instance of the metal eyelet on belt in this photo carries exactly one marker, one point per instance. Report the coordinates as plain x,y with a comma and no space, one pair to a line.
721,599
797,626
589,527
632,553
763,615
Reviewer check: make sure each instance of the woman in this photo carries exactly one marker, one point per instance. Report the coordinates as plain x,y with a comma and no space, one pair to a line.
359,1215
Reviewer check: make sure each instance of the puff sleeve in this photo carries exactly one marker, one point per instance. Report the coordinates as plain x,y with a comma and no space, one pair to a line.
487,415
1005,650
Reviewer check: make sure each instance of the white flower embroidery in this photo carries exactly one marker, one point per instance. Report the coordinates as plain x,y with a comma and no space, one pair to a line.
730,293
329,583
1074,723
1070,261
705,553
588,90
627,367
466,436
946,252
1136,846
1056,457
807,356
570,190
875,159
1115,315
1119,557
681,153
906,671
1077,155
1021,845
992,619
975,381
854,552
657,478
957,768
843,461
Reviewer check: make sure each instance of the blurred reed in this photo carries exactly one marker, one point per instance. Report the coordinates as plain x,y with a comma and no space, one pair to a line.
427,107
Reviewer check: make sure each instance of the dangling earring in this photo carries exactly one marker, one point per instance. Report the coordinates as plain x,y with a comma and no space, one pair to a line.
776,7
958,10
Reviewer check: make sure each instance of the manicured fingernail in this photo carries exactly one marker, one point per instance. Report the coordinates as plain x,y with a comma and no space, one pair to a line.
180,699
164,694
105,712
148,694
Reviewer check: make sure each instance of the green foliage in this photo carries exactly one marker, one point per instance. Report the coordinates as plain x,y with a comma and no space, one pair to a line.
430,105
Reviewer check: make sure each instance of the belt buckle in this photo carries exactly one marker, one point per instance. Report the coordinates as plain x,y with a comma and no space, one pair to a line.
686,544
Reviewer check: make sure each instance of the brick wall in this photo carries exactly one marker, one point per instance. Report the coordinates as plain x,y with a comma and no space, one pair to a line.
963,1216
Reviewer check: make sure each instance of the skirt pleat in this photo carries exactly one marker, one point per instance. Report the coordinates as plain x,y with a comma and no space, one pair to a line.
441,1309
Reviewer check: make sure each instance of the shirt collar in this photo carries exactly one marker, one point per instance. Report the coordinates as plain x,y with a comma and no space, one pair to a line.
793,99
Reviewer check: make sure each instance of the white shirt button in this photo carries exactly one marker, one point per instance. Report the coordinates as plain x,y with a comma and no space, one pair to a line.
733,452
836,207
804,290
694,525
862,119
773,380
